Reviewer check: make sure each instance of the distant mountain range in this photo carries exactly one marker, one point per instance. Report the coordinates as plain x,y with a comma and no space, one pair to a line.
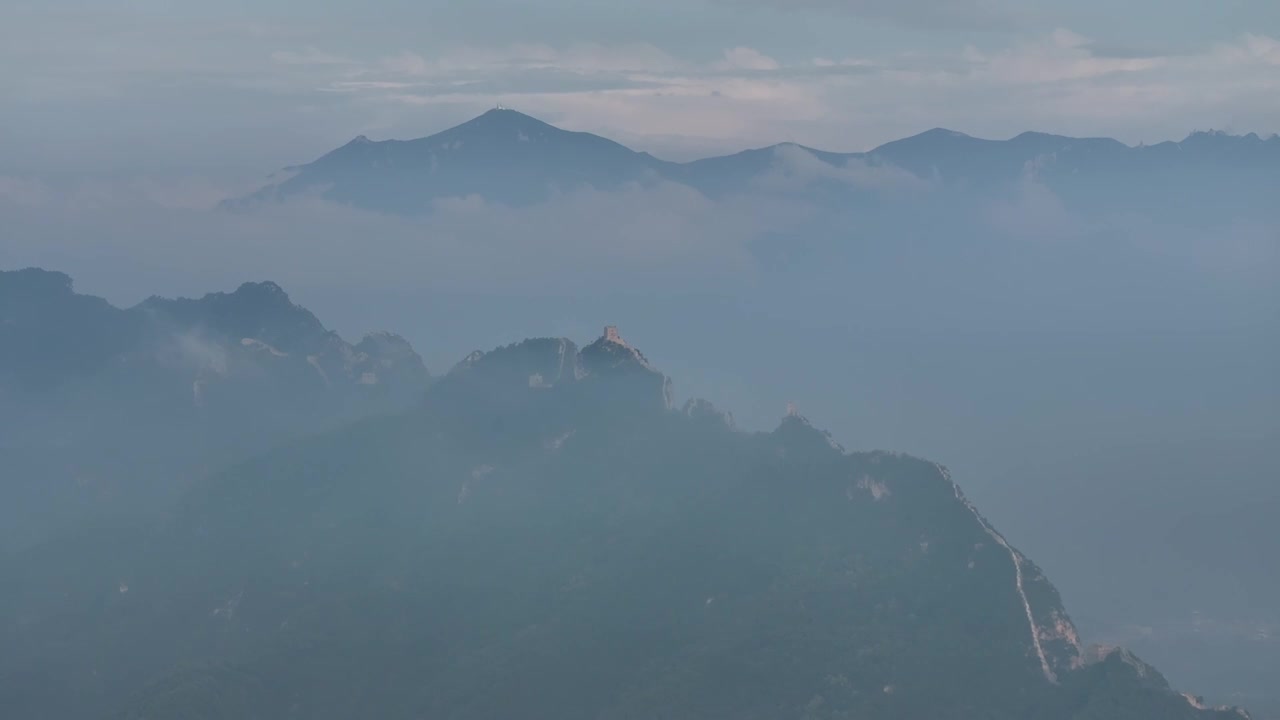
511,158
102,406
545,535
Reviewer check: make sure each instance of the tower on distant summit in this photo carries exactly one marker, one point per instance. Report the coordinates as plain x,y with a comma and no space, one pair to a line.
791,410
611,335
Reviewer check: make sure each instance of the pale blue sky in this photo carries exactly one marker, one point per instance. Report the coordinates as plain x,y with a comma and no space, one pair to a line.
235,89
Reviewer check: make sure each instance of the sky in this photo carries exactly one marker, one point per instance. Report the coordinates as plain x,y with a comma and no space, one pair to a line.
231,91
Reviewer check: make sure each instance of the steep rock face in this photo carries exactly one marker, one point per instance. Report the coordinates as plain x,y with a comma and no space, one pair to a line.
566,548
1054,639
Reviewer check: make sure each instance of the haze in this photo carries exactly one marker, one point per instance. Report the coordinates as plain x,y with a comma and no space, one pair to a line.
1084,331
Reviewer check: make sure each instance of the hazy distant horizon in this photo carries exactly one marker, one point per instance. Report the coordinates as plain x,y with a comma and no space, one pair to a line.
146,88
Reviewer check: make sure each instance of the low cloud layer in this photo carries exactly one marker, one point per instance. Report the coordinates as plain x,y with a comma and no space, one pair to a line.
887,259
796,168
666,233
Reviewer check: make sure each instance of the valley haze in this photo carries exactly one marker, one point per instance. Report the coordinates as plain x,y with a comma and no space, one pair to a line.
723,358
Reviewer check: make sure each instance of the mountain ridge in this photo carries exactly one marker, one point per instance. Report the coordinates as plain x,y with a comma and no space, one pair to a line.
1222,135
253,313
507,157
543,507
105,409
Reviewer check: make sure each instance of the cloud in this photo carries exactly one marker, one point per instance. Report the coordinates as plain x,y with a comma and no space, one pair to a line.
468,203
525,82
23,191
745,58
585,58
1033,212
796,167
663,233
191,349
983,15
907,253
1060,56
1252,48
187,192
322,90
307,56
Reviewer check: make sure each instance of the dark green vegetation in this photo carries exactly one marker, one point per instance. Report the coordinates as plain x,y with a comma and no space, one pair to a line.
544,537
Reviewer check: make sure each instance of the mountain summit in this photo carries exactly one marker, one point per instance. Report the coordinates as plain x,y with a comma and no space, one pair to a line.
545,537
103,409
506,157
502,156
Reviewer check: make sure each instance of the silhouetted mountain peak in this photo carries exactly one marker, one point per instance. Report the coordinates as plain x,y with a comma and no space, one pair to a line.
508,157
36,281
256,310
929,141
510,135
382,342
502,117
503,155
1032,135
796,434
705,411
1208,134
1224,139
941,132
49,333
606,370
250,352
612,358
627,371
385,355
264,291
611,351
532,363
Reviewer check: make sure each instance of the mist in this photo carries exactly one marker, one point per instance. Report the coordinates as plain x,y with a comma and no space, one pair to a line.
349,358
